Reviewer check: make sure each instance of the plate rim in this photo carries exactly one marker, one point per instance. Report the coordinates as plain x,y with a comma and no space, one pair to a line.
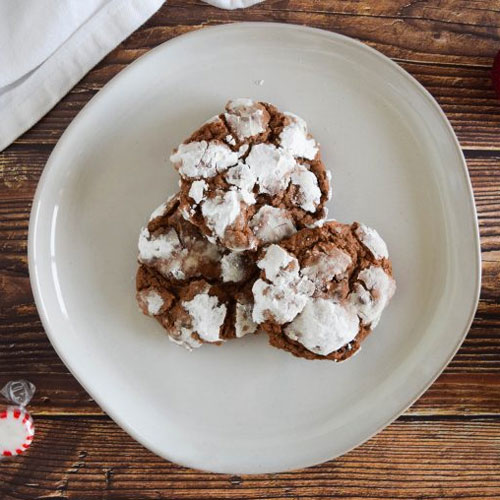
43,181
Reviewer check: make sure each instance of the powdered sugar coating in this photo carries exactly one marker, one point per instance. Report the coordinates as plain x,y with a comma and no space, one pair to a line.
194,288
202,159
220,211
188,156
233,267
151,301
330,188
309,192
175,248
324,326
157,247
197,190
241,176
165,247
372,240
266,158
244,323
283,293
327,266
230,140
372,294
154,302
243,149
271,224
245,117
277,263
294,138
207,316
271,166
321,289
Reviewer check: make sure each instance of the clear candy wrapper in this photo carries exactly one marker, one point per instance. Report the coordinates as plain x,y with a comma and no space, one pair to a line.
16,425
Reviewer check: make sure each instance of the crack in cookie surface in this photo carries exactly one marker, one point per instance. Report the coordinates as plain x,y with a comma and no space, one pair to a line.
248,163
198,291
323,290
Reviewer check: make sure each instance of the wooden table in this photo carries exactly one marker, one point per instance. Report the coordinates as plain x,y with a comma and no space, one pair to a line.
446,446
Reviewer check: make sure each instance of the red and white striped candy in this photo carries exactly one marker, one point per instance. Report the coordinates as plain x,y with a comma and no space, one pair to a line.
16,431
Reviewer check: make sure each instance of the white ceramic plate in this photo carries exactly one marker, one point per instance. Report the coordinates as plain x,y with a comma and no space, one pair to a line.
246,407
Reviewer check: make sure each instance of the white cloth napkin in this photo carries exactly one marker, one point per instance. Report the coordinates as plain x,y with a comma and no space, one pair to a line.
47,46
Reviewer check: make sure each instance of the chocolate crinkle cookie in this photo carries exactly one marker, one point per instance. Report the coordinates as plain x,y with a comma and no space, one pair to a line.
251,176
323,290
244,246
198,291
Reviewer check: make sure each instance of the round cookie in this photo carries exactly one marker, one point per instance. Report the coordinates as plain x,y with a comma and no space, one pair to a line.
323,290
251,175
198,291
176,249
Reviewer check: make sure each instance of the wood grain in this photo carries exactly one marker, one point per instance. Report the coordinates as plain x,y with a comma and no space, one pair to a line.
92,458
449,49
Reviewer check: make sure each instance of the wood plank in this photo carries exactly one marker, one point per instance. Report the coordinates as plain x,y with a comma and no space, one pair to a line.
450,31
449,51
470,385
89,458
